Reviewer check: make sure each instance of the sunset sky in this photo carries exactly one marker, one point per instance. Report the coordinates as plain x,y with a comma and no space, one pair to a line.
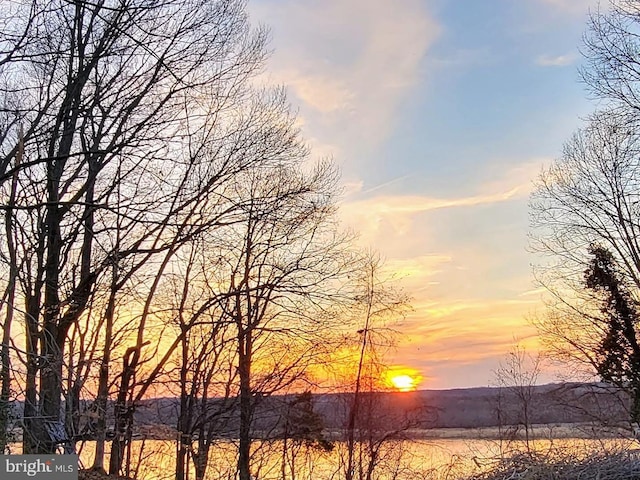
440,114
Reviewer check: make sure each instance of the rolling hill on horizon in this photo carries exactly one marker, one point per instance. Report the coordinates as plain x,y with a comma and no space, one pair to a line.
466,408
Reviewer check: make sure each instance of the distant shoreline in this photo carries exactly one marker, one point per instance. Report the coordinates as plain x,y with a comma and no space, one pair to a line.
555,431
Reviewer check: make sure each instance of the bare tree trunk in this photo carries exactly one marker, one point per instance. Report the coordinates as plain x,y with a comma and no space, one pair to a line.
123,412
353,412
33,430
72,404
244,373
103,381
5,358
201,458
184,420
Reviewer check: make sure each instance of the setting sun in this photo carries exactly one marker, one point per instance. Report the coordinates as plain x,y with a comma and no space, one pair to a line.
404,383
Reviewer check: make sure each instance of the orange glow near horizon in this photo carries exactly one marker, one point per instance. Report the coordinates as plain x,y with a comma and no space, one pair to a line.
404,383
402,379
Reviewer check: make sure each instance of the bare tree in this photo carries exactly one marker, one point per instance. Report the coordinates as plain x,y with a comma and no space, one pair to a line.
9,300
283,268
204,361
516,378
589,198
207,210
139,165
136,115
612,67
377,305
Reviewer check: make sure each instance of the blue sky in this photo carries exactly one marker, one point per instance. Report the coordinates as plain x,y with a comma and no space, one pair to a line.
440,114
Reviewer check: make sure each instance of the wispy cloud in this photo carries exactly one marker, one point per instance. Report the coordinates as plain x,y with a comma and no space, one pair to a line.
417,273
369,214
467,290
464,332
556,61
393,215
408,204
352,67
505,175
348,65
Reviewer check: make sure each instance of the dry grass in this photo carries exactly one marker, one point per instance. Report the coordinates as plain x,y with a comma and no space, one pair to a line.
94,475
597,466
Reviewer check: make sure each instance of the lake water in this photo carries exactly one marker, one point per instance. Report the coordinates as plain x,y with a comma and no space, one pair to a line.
433,459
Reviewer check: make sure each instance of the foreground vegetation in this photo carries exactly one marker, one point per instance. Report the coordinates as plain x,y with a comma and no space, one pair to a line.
555,460
597,466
